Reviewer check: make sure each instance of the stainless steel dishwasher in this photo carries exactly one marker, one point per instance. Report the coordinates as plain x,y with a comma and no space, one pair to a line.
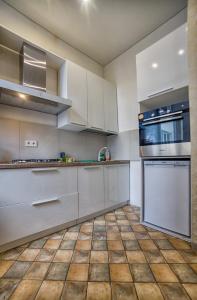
166,202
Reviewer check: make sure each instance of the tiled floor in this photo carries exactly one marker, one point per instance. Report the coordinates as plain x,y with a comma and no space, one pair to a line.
110,257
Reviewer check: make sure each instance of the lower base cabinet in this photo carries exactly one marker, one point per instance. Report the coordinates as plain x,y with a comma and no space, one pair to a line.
116,184
91,190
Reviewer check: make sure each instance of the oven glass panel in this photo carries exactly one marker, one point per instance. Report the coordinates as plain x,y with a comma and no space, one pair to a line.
162,133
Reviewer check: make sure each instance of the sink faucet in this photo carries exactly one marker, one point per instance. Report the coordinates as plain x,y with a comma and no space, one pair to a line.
104,154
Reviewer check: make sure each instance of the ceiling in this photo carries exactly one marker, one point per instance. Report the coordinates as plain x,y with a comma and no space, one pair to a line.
102,29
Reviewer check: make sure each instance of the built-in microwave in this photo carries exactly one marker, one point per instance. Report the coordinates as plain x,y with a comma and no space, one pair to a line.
165,131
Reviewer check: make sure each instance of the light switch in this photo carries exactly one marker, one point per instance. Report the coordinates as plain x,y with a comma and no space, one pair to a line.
31,143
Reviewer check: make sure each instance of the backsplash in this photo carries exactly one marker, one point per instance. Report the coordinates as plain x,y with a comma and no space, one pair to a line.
51,141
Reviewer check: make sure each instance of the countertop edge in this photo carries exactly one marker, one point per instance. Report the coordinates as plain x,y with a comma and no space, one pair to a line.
59,164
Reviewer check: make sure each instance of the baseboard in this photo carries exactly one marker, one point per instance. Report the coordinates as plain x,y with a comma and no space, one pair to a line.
52,230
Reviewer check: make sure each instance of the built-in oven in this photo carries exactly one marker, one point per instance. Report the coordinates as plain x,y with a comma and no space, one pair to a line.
165,131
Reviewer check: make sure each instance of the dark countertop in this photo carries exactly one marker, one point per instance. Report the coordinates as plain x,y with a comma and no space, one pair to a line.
59,164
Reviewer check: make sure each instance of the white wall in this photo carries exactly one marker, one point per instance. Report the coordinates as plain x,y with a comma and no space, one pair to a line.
122,71
30,31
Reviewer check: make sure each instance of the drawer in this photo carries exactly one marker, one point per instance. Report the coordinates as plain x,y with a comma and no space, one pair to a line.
29,185
21,220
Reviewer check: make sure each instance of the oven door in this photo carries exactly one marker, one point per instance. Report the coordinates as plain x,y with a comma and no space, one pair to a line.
165,135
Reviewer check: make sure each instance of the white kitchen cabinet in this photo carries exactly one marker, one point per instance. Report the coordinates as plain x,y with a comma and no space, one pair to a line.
116,184
95,102
162,67
110,107
36,184
91,190
73,85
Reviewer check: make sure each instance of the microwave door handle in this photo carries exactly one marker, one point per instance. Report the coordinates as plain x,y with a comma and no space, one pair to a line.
161,121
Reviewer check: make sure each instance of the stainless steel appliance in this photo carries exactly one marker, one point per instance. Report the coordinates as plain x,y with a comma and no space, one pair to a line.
165,131
166,202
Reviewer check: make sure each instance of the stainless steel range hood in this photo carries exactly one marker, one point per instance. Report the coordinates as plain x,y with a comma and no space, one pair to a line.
24,97
31,94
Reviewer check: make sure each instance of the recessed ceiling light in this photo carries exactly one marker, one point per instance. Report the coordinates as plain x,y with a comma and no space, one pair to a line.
181,51
155,65
22,96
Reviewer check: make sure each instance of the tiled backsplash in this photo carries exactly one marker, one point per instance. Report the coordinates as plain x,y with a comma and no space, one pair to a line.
51,141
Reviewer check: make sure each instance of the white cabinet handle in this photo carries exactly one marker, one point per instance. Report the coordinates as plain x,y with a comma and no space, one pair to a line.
37,203
37,170
160,92
92,167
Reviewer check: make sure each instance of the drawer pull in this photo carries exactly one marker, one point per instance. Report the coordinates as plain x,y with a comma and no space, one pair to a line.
37,170
92,167
37,203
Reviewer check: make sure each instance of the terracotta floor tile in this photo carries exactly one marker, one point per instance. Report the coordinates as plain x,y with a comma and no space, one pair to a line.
57,271
138,228
45,255
52,244
191,290
98,291
26,290
117,257
131,245
115,245
29,255
63,256
74,291
180,244
123,291
172,256
71,235
194,267
173,291
17,270
68,245
148,291
4,266
86,228
189,256
37,271
142,235
75,228
156,235
83,236
83,245
141,273
185,273
11,254
37,244
127,236
111,236
120,272
99,236
122,222
7,286
135,257
147,245
78,272
125,228
99,245
58,235
163,273
99,228
81,257
154,256
164,244
99,257
113,228
52,288
99,272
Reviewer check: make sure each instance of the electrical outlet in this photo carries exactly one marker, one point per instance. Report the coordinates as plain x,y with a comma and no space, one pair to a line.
31,143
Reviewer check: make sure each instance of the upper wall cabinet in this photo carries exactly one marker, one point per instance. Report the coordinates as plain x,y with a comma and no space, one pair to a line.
73,85
162,67
110,107
95,102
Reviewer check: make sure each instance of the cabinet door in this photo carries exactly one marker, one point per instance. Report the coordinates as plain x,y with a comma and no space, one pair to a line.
111,185
95,102
91,190
73,85
110,107
123,183
160,67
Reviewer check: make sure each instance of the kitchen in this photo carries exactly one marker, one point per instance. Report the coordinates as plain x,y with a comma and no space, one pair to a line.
98,151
